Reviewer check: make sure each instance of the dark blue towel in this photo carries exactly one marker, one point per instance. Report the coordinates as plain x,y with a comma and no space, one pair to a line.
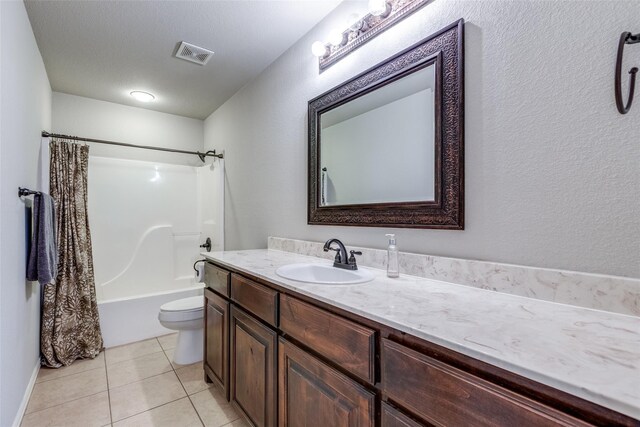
43,259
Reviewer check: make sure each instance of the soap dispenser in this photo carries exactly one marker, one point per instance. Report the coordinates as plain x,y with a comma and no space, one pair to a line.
393,270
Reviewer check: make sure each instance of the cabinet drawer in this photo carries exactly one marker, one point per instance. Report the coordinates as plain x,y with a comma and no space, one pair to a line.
256,298
346,343
216,278
444,395
392,417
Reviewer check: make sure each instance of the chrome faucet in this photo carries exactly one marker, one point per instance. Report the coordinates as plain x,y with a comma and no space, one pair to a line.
341,260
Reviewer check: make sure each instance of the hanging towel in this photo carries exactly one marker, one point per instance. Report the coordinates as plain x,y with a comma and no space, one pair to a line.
323,187
43,257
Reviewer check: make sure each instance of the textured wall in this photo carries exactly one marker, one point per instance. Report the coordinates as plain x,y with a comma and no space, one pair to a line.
25,109
551,167
91,118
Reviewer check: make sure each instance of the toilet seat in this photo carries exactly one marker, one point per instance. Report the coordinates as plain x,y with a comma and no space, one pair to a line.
184,304
182,310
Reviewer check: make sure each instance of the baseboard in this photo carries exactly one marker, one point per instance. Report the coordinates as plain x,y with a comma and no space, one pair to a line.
27,394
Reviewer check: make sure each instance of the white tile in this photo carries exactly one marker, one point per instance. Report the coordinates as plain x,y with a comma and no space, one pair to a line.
87,411
61,390
138,397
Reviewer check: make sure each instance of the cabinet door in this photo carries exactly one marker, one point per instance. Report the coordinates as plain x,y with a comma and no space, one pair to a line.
253,368
312,393
216,341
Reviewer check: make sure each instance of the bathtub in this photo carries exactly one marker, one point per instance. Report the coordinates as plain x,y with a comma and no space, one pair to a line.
126,320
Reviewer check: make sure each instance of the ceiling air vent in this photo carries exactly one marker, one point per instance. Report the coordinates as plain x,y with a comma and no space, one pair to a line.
192,53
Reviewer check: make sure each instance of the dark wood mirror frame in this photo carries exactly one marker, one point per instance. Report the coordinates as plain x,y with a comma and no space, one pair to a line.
445,50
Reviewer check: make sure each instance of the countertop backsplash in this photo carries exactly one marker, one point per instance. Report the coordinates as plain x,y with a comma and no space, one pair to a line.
600,292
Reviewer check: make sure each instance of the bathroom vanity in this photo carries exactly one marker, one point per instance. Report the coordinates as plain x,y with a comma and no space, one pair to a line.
406,352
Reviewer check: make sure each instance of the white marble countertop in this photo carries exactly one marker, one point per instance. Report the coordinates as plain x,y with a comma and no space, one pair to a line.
588,353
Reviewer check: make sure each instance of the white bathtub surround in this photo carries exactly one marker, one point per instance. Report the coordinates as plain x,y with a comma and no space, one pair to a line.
609,293
210,202
148,220
592,354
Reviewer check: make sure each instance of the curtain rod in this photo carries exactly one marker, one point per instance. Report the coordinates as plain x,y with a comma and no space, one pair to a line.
210,153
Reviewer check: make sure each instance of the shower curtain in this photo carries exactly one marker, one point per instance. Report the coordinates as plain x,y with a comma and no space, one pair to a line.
70,326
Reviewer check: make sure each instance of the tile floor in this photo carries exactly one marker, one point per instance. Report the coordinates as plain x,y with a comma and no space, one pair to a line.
132,385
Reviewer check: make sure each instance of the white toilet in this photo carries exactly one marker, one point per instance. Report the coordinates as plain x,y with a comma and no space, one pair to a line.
186,316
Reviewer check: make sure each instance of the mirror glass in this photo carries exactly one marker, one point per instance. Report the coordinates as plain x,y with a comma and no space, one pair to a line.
379,147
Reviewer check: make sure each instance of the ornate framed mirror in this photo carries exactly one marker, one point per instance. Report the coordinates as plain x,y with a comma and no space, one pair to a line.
386,148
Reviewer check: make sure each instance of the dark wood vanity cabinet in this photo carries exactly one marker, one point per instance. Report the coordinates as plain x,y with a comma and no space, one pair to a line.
293,361
311,393
444,395
216,340
253,368
216,320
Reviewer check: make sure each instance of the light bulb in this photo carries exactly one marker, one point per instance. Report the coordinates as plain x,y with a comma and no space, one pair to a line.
142,96
355,21
377,7
335,37
319,49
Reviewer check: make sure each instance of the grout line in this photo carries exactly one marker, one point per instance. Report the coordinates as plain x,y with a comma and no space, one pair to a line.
147,410
186,392
231,422
143,379
68,375
139,379
195,409
64,403
106,374
134,358
166,403
64,376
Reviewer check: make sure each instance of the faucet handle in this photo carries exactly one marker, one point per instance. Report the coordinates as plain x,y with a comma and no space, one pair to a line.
352,258
338,257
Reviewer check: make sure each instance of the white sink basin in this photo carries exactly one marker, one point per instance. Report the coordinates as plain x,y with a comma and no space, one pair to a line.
323,274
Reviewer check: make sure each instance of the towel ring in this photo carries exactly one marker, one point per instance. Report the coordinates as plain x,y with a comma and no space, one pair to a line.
625,38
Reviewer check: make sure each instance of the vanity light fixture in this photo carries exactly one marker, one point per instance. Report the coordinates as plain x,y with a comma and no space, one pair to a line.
382,15
142,96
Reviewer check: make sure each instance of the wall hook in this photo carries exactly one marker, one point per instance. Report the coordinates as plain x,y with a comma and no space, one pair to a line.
625,38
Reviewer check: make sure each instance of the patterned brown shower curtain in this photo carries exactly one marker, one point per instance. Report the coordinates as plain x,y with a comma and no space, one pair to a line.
70,326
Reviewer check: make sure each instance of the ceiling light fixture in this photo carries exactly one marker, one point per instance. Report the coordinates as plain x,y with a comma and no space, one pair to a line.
142,96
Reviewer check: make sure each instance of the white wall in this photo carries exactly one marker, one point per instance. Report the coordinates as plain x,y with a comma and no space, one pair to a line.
551,166
25,109
91,118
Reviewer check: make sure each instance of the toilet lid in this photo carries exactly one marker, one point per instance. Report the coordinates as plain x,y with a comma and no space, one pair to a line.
184,304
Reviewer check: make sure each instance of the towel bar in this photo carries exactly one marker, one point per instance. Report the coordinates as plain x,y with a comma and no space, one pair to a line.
22,192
